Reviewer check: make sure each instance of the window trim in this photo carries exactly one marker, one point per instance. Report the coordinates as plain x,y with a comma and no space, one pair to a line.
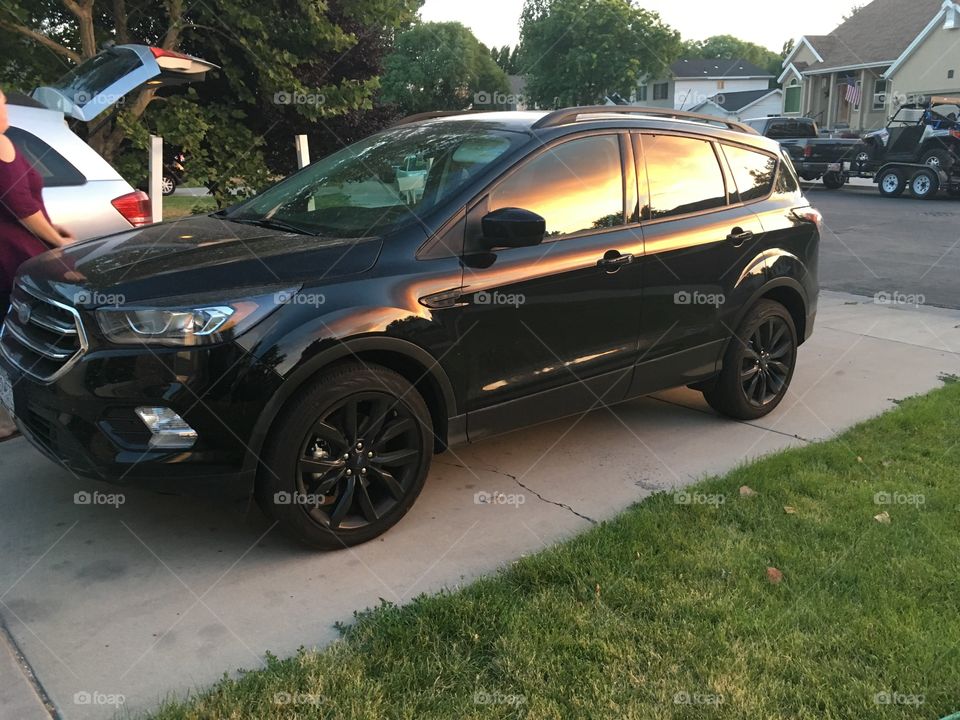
484,195
794,85
877,107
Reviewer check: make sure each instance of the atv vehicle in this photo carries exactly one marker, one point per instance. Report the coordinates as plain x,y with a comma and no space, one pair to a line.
919,133
919,149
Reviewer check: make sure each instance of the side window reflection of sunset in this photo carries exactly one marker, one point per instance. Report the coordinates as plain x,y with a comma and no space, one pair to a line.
684,174
575,186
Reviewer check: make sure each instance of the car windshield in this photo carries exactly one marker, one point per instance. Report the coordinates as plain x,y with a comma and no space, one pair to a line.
382,182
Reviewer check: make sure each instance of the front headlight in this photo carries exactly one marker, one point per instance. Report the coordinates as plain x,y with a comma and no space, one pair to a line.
186,326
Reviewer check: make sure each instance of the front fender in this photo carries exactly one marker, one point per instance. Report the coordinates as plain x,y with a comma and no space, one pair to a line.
344,339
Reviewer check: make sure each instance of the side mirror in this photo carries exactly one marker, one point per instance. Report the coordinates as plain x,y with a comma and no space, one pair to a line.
513,228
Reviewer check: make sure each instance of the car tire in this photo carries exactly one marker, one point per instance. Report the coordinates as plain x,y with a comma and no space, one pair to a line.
891,183
939,159
834,180
168,185
925,184
758,364
347,458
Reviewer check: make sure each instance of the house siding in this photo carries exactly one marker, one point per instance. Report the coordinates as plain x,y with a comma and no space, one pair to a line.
925,72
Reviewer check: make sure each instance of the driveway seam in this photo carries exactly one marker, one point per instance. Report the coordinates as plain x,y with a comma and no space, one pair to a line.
740,422
26,669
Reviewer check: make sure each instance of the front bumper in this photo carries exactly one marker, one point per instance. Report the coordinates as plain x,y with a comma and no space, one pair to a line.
85,420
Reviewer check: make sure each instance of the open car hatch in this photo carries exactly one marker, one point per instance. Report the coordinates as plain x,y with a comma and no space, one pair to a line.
107,78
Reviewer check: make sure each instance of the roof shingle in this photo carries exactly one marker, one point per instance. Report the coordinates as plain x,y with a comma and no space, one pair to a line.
877,33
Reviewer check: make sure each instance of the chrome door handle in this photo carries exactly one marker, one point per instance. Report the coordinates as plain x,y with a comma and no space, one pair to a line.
739,236
613,261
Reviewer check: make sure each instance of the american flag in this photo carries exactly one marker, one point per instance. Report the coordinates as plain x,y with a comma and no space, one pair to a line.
854,94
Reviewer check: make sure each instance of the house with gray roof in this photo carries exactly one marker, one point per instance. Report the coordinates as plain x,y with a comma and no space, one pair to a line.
742,104
691,82
889,53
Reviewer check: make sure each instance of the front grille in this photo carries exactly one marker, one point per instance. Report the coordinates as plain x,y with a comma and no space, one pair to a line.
40,336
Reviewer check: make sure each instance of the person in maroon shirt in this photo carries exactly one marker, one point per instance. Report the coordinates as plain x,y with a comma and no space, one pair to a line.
25,227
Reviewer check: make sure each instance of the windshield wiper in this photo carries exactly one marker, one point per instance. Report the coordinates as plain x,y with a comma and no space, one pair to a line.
272,224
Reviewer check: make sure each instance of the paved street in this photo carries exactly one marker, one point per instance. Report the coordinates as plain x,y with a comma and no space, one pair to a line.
163,594
875,244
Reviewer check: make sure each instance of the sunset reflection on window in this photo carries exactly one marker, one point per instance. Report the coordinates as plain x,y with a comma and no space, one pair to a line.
575,186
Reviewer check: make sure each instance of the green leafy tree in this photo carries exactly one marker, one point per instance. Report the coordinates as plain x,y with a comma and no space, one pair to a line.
507,58
728,47
576,52
441,66
283,64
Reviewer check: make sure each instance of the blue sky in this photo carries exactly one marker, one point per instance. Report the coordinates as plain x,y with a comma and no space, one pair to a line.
765,22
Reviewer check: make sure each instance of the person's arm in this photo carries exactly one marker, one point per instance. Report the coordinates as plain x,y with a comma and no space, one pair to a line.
16,197
46,231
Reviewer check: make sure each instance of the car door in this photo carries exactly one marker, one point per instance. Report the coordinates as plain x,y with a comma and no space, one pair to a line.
551,330
101,82
697,233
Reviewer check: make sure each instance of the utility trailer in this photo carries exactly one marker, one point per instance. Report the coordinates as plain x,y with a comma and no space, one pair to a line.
919,151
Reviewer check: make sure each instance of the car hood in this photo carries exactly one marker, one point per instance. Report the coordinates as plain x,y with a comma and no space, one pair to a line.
197,255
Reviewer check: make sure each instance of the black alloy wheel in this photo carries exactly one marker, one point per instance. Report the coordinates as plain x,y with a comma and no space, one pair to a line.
758,364
359,461
347,457
767,362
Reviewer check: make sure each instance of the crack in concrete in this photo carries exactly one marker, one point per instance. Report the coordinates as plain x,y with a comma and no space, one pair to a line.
740,422
527,488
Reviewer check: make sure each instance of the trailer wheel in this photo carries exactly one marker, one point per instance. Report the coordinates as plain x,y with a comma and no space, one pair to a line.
892,183
834,180
925,184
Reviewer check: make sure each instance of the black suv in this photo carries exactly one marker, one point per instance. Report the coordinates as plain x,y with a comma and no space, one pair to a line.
442,281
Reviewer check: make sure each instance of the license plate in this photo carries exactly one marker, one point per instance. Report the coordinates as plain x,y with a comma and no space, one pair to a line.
834,167
6,392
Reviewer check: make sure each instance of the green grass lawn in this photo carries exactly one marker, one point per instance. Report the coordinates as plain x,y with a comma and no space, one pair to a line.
178,206
668,612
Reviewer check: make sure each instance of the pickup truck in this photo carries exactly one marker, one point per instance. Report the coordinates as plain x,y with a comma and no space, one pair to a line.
815,157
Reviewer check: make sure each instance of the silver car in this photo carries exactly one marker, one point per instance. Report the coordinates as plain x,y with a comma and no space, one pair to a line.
82,191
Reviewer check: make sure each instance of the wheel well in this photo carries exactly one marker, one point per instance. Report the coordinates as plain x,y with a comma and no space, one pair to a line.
793,302
422,380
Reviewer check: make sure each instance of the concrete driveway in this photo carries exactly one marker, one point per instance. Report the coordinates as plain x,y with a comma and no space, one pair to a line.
163,594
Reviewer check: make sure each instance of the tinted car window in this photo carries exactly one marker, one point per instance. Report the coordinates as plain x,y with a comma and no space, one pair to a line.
787,181
753,172
575,186
684,175
791,129
52,166
383,182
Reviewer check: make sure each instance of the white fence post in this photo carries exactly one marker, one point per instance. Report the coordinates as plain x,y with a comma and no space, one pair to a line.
303,151
155,178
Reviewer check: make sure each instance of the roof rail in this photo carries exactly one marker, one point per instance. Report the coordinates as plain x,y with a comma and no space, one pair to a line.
572,114
431,116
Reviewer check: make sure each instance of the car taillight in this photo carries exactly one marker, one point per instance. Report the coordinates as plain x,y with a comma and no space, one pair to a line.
955,133
135,207
160,52
810,215
808,151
